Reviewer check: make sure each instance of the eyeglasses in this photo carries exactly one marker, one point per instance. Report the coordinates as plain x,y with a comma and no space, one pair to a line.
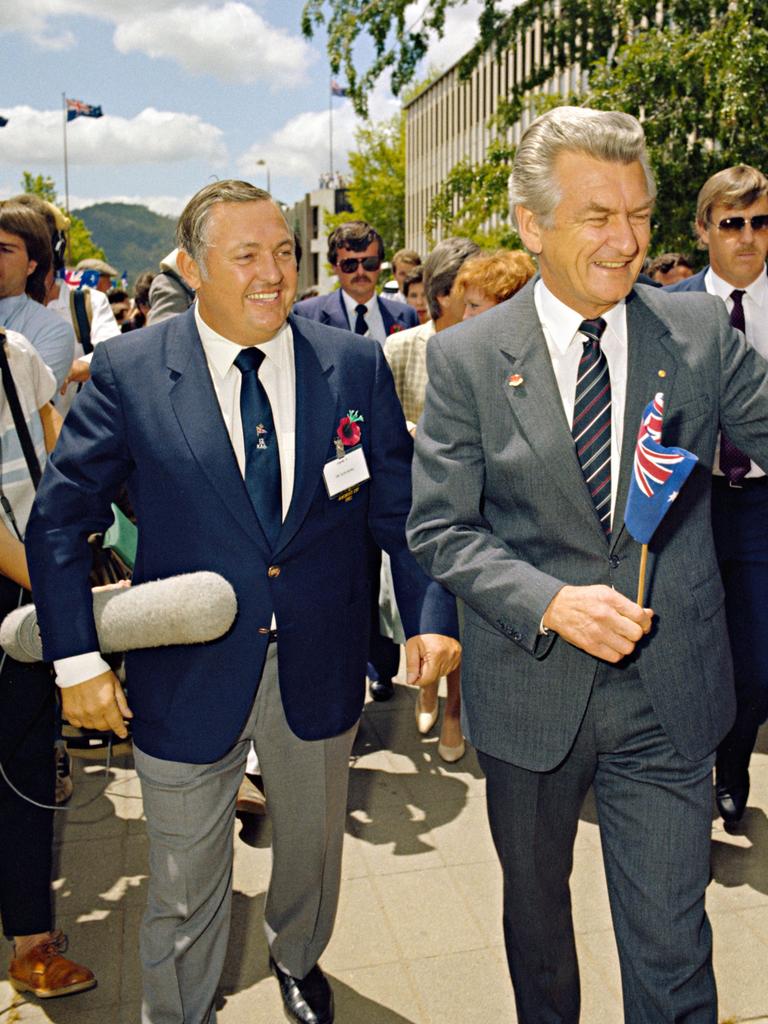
735,224
349,266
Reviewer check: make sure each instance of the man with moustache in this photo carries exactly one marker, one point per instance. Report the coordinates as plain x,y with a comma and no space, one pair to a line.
229,424
732,224
524,456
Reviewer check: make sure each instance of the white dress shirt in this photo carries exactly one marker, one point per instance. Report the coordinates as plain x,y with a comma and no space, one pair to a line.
372,316
560,324
278,375
755,303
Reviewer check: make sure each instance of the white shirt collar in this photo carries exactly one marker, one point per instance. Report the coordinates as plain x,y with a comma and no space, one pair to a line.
352,305
221,353
757,290
562,322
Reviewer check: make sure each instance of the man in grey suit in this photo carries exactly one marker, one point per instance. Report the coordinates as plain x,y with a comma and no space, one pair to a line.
521,476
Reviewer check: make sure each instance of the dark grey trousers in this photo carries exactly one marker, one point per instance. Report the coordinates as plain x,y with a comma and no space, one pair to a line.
655,812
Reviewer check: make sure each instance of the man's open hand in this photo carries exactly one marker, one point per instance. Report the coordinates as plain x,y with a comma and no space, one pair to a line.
429,656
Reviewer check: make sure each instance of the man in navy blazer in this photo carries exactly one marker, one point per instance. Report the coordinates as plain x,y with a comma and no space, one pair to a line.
356,251
732,223
165,412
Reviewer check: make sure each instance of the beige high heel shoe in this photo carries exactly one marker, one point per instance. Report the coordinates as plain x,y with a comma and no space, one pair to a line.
425,719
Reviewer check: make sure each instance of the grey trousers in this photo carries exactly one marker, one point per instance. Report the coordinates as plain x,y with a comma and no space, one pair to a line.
655,812
190,811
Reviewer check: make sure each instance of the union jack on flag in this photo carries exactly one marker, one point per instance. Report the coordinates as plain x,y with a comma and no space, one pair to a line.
76,108
657,477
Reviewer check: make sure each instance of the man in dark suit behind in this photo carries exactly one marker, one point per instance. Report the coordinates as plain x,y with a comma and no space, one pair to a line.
356,252
228,424
523,460
732,223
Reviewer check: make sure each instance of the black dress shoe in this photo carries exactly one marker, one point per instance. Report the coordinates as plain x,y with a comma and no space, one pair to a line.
307,1000
382,689
731,801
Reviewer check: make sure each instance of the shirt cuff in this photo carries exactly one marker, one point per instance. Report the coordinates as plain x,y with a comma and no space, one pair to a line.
75,670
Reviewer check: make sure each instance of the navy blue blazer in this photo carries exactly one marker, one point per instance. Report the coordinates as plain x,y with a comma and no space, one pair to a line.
330,309
149,416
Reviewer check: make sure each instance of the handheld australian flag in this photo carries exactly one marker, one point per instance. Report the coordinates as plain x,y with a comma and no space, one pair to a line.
658,475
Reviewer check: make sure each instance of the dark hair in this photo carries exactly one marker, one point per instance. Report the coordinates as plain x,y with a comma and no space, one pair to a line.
415,277
32,229
355,235
117,295
666,262
141,288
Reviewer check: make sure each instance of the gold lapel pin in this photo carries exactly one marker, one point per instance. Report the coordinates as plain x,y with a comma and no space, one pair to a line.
514,380
662,373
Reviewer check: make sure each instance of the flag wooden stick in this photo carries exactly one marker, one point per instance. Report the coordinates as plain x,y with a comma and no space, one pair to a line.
641,577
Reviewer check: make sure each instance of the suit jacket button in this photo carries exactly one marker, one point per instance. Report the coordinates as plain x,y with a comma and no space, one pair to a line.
615,561
517,635
263,630
273,571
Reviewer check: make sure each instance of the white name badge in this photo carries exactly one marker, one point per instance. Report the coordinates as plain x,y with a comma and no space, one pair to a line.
348,471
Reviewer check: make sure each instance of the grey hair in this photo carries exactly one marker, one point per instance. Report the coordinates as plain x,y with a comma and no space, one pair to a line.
609,135
441,267
192,229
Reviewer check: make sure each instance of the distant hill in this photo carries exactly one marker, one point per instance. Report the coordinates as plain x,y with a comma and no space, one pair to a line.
132,236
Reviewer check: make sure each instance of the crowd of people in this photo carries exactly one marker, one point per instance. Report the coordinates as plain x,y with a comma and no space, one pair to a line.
441,463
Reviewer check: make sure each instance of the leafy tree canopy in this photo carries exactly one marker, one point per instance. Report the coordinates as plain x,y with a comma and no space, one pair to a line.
80,244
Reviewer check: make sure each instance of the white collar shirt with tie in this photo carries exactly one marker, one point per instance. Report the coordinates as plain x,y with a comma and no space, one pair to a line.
372,316
565,345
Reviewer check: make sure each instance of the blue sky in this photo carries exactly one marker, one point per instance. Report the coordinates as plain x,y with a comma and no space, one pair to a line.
188,90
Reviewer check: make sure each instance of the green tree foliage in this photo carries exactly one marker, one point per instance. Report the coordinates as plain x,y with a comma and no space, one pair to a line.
696,74
377,181
80,244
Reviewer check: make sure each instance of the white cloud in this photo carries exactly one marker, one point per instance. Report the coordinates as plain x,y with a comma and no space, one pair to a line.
152,136
229,40
167,206
300,149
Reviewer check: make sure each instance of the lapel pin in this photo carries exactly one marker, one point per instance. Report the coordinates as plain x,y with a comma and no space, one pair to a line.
514,380
662,373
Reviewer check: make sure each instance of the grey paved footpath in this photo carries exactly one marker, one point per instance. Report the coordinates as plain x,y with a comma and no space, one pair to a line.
418,937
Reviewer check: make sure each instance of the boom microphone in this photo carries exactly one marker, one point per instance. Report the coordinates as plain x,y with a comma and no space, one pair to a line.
189,609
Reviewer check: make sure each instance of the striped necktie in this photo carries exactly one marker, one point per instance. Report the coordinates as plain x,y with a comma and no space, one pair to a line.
592,420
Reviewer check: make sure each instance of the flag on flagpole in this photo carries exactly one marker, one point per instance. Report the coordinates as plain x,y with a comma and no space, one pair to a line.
76,108
336,89
658,475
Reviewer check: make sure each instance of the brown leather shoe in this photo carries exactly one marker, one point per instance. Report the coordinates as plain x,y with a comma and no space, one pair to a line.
250,799
46,973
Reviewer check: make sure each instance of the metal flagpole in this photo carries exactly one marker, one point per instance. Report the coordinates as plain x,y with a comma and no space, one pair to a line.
330,130
66,175
66,162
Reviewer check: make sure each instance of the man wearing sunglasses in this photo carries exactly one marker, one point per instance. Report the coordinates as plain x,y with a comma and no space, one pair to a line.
356,252
732,223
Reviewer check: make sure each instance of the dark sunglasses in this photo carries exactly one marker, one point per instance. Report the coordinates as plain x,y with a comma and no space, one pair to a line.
734,224
349,266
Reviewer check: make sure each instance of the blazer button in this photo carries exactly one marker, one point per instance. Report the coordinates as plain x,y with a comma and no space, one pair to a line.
615,561
263,630
517,635
273,571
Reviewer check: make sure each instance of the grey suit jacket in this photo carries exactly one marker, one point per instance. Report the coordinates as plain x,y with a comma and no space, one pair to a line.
502,517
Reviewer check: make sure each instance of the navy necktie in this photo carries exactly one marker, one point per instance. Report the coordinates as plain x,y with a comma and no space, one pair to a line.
361,327
592,420
734,464
262,455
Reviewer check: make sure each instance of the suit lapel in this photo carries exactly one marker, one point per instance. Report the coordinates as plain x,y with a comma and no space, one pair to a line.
316,409
537,406
197,410
651,367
